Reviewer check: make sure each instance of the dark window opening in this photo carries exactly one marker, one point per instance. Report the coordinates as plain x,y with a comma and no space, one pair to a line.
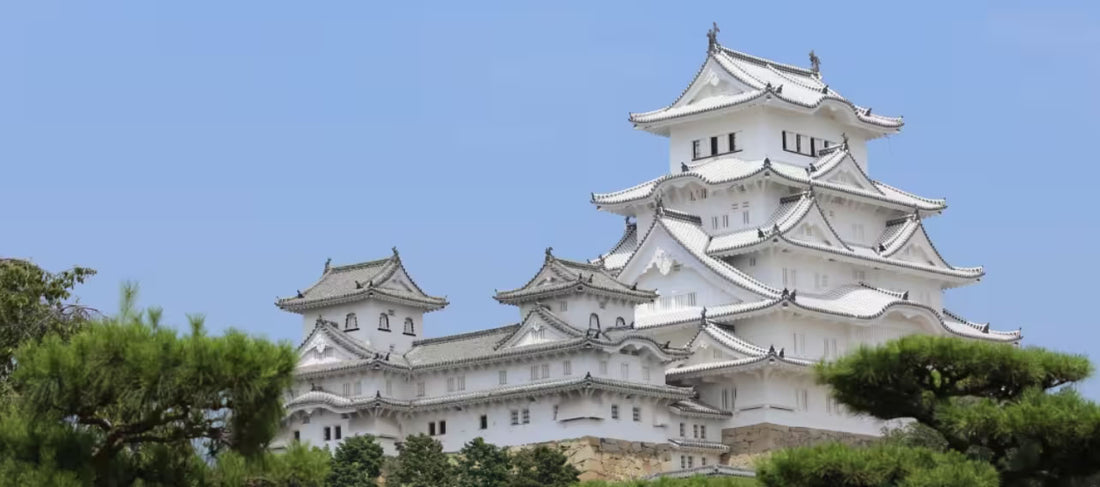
297,435
328,433
409,330
713,145
351,322
338,435
384,322
431,429
442,427
484,422
594,322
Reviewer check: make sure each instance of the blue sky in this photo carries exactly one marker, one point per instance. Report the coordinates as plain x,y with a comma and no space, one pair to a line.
218,152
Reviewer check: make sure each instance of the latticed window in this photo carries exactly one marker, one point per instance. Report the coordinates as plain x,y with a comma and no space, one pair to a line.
351,322
384,322
409,330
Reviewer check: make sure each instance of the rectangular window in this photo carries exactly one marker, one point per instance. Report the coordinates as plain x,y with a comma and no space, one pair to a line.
614,411
389,387
683,462
450,384
802,399
830,348
703,461
563,306
297,435
545,371
637,413
745,217
534,372
645,374
691,461
790,278
625,370
420,389
328,433
431,429
484,420
603,367
799,345
347,389
695,431
725,221
752,261
502,377
526,416
462,382
567,368
359,388
713,146
703,431
514,416
683,430
338,433
859,275
726,399
697,149
714,222
442,427
732,141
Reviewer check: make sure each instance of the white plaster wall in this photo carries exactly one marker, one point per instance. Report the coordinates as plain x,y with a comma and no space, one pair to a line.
367,314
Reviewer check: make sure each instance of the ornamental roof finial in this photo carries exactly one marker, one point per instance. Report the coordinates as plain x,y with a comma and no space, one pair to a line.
844,137
549,253
328,263
815,62
394,251
712,37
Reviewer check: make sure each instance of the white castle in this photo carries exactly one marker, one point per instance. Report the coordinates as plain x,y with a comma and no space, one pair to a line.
766,248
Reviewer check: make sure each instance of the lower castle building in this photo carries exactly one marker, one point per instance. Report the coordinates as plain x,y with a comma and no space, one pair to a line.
766,247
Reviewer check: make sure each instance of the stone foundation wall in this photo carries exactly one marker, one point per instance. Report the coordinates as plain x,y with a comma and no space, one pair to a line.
750,441
613,460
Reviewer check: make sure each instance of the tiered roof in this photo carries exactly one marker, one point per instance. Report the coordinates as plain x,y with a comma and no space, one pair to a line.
752,81
496,345
728,169
559,277
383,279
312,399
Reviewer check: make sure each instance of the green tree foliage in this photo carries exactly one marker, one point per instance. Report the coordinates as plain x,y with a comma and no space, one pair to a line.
542,466
990,401
124,400
357,463
298,466
33,304
835,465
483,464
696,481
421,463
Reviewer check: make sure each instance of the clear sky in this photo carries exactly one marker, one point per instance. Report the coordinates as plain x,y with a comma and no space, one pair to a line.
218,152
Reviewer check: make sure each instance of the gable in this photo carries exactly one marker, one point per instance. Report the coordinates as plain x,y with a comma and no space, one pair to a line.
918,249
321,349
539,327
661,263
398,281
814,228
846,172
713,80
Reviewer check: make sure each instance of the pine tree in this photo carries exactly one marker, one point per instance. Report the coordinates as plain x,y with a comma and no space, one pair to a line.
483,464
357,463
124,399
542,466
835,465
421,463
989,401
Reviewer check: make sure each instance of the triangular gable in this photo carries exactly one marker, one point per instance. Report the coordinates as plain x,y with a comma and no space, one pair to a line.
660,259
325,344
714,344
840,168
814,228
714,79
918,249
539,327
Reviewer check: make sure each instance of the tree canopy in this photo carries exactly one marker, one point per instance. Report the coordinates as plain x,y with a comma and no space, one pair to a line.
357,463
482,464
992,402
421,463
542,466
835,465
123,398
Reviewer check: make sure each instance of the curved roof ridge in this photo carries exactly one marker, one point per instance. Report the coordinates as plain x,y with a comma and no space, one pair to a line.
464,336
765,61
730,273
630,234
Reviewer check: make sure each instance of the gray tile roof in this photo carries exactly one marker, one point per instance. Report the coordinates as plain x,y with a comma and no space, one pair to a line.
560,276
550,386
365,280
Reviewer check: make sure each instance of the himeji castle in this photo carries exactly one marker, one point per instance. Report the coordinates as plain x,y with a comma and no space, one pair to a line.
766,247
